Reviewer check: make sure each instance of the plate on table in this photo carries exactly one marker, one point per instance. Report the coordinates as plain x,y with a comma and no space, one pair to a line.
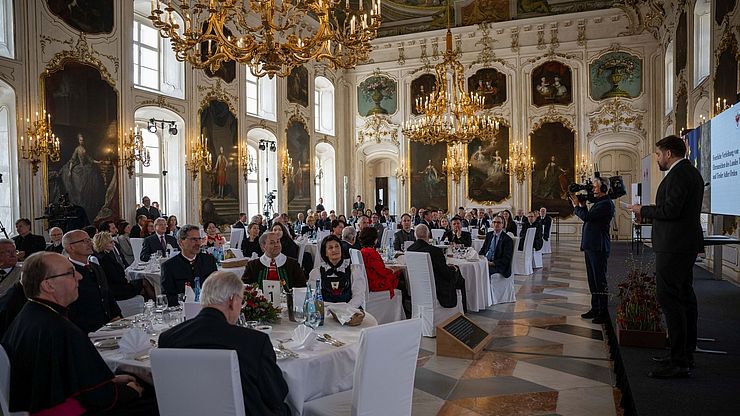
107,344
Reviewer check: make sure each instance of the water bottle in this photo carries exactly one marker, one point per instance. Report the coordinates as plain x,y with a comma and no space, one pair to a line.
309,309
319,302
197,288
391,250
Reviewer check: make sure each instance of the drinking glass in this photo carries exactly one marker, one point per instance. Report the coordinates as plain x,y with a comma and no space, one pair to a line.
161,303
313,319
181,300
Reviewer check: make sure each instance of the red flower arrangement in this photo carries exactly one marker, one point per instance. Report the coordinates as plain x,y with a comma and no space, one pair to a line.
638,307
256,307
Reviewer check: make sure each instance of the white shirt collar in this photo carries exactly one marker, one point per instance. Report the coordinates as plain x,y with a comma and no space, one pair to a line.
279,260
674,164
188,258
8,270
78,262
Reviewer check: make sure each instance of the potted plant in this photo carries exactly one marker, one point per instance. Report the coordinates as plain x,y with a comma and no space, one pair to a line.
256,307
639,321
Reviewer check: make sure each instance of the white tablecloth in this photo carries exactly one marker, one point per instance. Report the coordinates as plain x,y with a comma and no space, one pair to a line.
322,371
154,276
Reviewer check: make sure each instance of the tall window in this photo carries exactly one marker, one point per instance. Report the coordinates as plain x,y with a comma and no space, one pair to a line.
323,106
155,65
261,97
253,203
702,34
6,29
668,74
266,178
325,176
9,191
149,178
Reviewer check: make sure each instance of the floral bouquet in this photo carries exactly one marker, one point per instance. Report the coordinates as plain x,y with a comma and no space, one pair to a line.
638,307
377,84
256,307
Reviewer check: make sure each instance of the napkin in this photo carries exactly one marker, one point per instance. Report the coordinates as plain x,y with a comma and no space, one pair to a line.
303,337
134,343
471,254
189,294
343,311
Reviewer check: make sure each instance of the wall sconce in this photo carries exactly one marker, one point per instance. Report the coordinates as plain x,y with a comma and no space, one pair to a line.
286,166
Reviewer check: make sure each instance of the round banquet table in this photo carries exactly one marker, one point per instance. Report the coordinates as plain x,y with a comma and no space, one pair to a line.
318,372
154,274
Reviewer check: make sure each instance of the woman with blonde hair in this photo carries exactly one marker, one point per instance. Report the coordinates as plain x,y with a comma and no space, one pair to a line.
120,288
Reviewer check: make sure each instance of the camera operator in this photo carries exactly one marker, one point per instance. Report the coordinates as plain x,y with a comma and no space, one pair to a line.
595,243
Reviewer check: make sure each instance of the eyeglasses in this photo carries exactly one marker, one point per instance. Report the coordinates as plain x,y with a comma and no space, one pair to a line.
84,240
71,272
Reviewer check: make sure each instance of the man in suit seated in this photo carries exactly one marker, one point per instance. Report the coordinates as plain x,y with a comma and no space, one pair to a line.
529,222
455,235
447,279
158,241
263,386
137,229
546,224
349,234
273,265
187,265
427,218
498,249
10,270
25,242
406,233
55,234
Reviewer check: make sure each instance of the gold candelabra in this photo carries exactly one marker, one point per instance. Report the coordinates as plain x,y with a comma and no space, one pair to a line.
520,163
455,163
133,150
286,166
271,37
402,172
199,157
720,105
39,142
248,164
583,168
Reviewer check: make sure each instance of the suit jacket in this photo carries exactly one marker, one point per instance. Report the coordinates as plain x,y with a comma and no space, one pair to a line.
31,243
10,279
401,237
11,303
135,232
256,270
596,222
55,249
429,224
511,227
306,229
119,286
95,306
360,206
444,276
537,236
503,254
152,245
151,212
465,238
675,215
238,224
263,386
176,271
546,226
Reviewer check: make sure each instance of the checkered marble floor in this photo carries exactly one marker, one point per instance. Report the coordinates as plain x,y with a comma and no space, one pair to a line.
544,359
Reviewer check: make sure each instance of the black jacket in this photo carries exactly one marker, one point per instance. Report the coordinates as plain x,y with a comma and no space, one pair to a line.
444,276
151,212
401,237
119,286
596,221
152,245
537,236
178,270
95,306
263,385
503,254
546,225
31,243
465,238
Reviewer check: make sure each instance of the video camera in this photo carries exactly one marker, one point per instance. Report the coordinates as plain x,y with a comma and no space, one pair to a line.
615,188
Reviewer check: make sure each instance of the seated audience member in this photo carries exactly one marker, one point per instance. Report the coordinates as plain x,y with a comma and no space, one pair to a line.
55,234
213,235
241,222
283,219
158,241
456,235
11,303
25,242
187,265
258,219
338,284
379,277
263,386
124,241
56,369
172,227
336,228
138,229
444,223
482,223
310,228
250,242
531,221
108,226
95,305
274,265
386,217
447,279
10,270
324,223
520,215
299,222
546,222
510,225
349,235
120,287
148,229
406,233
289,247
498,249
427,218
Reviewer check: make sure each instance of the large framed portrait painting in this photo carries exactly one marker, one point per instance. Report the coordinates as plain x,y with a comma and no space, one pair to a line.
553,149
219,187
428,179
488,180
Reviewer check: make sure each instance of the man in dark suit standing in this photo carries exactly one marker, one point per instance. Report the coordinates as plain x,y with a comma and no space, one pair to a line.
447,279
531,221
187,265
147,209
677,239
498,249
546,222
455,235
359,205
596,244
158,241
242,222
263,385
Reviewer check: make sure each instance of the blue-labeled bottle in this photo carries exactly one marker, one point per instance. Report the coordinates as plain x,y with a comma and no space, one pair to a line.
391,251
196,280
319,302
310,314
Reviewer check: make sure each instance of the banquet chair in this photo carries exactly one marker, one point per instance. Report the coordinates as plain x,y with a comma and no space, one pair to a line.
384,350
136,245
424,303
407,244
387,235
235,239
5,385
438,233
502,288
546,247
378,304
179,394
301,252
537,258
522,261
131,307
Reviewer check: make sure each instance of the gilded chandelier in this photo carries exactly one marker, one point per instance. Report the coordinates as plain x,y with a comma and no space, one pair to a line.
41,143
270,36
455,163
286,166
133,150
583,168
199,157
520,163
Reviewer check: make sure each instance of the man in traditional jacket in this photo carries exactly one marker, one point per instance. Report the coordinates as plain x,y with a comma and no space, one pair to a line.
274,265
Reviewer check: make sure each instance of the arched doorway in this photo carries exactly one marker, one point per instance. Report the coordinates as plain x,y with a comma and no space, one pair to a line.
325,178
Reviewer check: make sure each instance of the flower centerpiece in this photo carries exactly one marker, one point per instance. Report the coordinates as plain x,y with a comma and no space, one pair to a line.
256,307
375,89
638,313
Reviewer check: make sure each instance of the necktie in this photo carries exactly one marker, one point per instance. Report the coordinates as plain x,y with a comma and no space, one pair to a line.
492,250
272,273
164,245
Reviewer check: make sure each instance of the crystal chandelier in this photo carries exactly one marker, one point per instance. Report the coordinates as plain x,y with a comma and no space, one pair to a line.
520,163
199,157
449,114
455,163
286,166
583,168
41,143
402,172
133,150
271,37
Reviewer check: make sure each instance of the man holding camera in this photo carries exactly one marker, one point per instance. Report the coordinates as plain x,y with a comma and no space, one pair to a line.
595,244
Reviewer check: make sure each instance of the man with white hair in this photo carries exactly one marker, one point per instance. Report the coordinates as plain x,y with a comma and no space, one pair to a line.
348,240
158,241
263,386
55,234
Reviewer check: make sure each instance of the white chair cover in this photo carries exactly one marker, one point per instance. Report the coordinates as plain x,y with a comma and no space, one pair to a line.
301,251
384,350
131,307
407,244
5,384
179,394
137,244
387,235
320,236
235,239
547,247
522,262
537,258
378,304
437,233
502,289
424,303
